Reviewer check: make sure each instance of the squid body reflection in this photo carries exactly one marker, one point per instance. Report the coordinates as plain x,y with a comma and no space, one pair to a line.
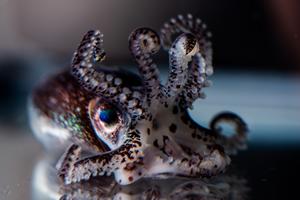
46,185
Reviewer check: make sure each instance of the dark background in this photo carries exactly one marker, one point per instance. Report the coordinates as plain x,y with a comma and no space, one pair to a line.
254,34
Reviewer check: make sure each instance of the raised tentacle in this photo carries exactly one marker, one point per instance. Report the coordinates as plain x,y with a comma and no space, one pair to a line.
105,83
197,79
201,65
236,141
180,54
106,163
188,24
143,42
88,53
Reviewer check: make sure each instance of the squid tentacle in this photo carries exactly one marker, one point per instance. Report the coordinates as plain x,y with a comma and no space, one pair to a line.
201,65
180,54
144,42
236,141
70,156
106,163
88,53
188,24
197,79
197,164
231,144
104,83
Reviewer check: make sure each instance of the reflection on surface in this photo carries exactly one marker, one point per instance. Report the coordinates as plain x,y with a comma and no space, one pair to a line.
46,186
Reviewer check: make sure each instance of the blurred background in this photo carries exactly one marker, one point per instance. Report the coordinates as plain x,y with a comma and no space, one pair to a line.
256,58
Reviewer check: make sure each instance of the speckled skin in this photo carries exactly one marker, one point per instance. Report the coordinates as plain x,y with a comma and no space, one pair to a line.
153,135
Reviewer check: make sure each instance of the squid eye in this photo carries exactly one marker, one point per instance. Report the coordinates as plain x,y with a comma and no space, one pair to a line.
108,122
108,116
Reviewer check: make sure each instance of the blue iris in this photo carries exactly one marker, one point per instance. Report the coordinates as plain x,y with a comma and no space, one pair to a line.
108,116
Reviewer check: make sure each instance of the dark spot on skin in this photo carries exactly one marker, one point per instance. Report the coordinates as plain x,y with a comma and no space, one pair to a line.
140,161
186,149
193,135
173,128
148,131
155,124
175,110
155,143
145,42
130,178
140,173
219,148
184,119
184,160
153,36
215,166
165,138
192,126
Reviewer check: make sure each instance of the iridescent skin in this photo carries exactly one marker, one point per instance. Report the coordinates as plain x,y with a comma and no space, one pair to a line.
151,134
